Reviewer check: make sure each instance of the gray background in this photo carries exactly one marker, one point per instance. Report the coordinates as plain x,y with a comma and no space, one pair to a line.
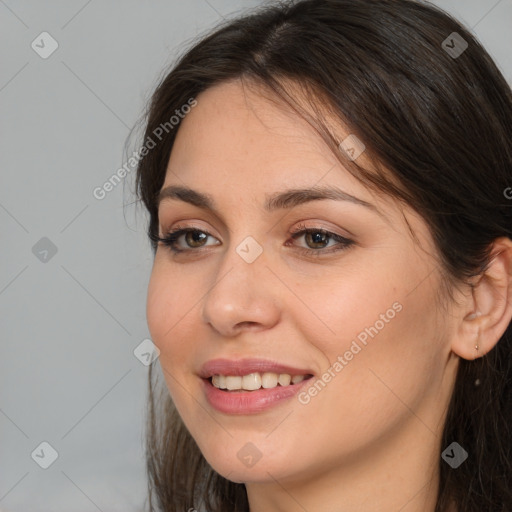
70,324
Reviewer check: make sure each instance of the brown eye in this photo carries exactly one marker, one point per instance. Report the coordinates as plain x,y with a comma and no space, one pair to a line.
317,239
195,238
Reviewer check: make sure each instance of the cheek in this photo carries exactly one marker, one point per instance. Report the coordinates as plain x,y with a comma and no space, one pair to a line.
359,306
388,305
166,314
389,340
158,304
168,308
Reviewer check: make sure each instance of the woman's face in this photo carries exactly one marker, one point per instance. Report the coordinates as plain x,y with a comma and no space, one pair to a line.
361,317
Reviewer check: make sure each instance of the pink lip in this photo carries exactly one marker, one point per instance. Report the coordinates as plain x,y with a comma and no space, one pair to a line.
248,402
246,366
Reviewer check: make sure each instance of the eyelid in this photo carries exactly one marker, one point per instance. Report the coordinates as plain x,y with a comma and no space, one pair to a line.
184,224
315,225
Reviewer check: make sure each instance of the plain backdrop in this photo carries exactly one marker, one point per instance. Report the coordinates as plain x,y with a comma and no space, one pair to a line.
73,268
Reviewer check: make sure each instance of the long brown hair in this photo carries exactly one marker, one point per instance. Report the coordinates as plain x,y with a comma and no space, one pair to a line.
439,121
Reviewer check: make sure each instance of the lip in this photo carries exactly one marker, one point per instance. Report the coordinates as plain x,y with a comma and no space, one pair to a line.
241,367
248,402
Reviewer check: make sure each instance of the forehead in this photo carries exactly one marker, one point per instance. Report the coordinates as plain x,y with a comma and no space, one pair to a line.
237,129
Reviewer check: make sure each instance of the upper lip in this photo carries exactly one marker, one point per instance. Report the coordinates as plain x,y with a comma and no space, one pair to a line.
246,366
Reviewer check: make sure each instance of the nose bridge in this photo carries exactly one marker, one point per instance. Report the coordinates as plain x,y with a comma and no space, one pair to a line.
241,292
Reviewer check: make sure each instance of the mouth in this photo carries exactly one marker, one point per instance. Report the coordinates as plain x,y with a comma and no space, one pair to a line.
250,386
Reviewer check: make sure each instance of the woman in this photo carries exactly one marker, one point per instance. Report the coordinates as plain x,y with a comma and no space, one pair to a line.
331,292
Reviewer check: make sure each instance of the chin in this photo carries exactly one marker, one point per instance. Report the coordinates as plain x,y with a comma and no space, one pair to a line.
238,470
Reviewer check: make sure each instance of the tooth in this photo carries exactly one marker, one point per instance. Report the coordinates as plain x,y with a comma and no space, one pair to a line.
219,381
254,381
284,379
251,381
233,382
269,380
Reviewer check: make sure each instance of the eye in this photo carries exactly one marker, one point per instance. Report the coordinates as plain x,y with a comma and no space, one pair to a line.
193,237
317,239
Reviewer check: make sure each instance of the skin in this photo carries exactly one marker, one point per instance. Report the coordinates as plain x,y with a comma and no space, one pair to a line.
371,439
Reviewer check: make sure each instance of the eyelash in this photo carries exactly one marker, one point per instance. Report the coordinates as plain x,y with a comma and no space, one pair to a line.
343,243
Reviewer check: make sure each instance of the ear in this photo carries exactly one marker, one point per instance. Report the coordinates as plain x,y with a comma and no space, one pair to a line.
487,312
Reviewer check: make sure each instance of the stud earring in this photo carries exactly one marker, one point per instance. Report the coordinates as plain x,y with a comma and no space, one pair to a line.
476,344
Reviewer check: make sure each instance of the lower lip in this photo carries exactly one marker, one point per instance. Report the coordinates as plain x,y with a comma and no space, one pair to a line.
249,402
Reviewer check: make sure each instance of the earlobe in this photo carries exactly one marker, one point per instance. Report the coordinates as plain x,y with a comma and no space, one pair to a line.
488,311
476,353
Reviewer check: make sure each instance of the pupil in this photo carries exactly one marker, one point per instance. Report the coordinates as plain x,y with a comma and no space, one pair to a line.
317,237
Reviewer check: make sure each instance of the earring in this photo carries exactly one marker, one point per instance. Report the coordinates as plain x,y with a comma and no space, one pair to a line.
477,381
476,345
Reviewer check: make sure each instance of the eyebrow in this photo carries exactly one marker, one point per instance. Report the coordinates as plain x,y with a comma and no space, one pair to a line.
281,200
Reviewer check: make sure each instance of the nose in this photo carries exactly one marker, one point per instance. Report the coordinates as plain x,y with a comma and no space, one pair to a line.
241,296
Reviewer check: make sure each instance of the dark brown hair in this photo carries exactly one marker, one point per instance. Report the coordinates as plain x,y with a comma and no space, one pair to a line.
441,124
